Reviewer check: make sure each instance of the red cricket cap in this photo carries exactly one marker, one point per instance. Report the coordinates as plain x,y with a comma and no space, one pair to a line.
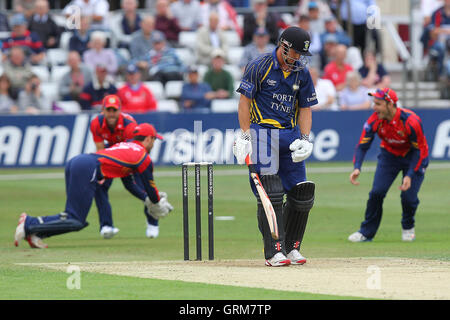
146,129
386,94
111,101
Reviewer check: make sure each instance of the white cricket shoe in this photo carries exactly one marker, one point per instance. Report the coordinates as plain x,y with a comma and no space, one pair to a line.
296,257
278,260
152,231
408,234
35,242
107,232
357,237
20,230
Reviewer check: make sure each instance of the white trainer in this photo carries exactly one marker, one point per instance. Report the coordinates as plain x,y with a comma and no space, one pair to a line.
278,260
296,257
152,231
35,242
357,237
408,234
107,232
20,230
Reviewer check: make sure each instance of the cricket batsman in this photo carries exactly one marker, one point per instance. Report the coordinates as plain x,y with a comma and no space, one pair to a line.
403,149
85,174
275,120
114,126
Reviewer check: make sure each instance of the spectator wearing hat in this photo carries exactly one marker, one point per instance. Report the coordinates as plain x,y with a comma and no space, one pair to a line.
259,46
220,80
72,83
17,69
328,51
93,93
331,27
45,27
98,54
164,64
195,95
210,37
337,70
260,17
26,39
166,22
188,14
134,95
80,39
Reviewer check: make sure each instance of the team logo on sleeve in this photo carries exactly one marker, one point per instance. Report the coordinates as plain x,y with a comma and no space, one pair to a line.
246,86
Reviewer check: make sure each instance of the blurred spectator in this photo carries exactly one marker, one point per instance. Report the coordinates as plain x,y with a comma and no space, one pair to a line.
427,7
26,39
260,17
166,23
17,70
164,64
354,96
210,37
130,22
359,13
373,73
81,37
25,7
316,12
326,92
227,14
93,93
188,14
220,80
4,24
97,10
304,22
98,54
142,42
45,27
7,103
32,100
259,46
337,70
331,27
134,95
328,51
72,83
195,95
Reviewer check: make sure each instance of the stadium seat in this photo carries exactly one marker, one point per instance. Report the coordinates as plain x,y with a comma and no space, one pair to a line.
4,34
173,89
125,54
69,106
57,57
58,72
187,39
235,55
202,70
64,40
42,72
60,20
234,70
50,89
224,105
185,55
168,106
233,38
156,88
354,58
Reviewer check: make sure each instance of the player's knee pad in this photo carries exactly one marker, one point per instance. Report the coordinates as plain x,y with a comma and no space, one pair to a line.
299,202
62,225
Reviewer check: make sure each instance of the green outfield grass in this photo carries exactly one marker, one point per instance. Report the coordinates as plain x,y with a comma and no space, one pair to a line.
338,211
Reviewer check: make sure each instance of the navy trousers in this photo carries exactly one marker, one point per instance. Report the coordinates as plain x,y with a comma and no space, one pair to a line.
388,167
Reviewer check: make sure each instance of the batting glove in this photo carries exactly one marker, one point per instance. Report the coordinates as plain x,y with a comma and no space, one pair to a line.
301,149
242,146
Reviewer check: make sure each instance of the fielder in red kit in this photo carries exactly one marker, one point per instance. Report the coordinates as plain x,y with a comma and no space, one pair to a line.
114,126
404,149
85,174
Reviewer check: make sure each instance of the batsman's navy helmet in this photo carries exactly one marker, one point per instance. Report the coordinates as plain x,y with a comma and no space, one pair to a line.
299,40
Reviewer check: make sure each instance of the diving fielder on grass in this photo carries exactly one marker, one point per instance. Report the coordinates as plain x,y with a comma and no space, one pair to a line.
84,176
404,149
114,126
275,120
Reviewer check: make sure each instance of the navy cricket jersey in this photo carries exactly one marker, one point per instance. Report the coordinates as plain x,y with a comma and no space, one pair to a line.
276,99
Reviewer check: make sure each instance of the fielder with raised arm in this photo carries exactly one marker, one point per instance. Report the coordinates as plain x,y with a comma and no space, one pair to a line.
275,120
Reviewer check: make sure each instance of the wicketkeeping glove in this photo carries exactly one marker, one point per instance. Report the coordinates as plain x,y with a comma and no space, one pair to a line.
160,209
301,149
242,146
